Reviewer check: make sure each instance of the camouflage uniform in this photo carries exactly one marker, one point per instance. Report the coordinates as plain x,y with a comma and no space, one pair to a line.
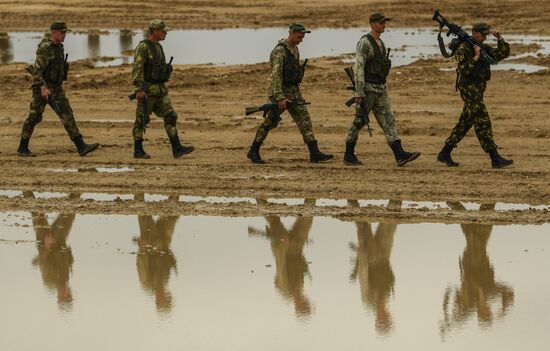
158,100
279,90
47,65
376,95
472,81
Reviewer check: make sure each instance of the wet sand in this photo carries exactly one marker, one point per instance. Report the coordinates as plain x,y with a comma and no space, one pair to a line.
210,102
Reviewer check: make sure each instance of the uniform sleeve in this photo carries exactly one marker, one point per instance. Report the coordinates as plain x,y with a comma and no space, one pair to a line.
501,52
138,68
363,54
43,58
277,58
466,65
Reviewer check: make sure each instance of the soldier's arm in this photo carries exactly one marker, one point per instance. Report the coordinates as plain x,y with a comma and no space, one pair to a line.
138,68
277,73
502,51
43,58
362,55
466,64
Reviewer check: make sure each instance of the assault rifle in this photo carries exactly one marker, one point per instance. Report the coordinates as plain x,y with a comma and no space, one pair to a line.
461,36
145,116
274,108
364,111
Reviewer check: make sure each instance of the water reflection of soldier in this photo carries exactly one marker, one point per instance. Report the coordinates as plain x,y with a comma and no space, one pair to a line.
93,45
6,51
372,267
287,247
55,258
478,288
125,40
155,259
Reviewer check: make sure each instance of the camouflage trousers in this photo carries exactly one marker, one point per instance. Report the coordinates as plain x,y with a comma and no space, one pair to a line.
299,114
37,107
380,105
473,114
162,107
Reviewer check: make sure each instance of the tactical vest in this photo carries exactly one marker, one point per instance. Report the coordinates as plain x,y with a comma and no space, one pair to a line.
482,68
378,68
156,70
293,72
57,70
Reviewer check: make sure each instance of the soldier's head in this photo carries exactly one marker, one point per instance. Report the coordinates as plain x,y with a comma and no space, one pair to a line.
296,33
480,31
58,31
378,22
157,30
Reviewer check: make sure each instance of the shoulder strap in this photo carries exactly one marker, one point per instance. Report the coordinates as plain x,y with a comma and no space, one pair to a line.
152,48
377,50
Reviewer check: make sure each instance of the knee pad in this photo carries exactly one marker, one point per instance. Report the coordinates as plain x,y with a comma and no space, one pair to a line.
171,118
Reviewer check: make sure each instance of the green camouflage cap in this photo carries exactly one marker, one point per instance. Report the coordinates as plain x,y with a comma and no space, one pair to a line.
62,26
297,27
158,24
377,17
482,28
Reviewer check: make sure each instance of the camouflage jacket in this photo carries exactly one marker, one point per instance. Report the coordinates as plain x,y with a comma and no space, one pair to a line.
364,54
141,55
45,55
277,58
467,68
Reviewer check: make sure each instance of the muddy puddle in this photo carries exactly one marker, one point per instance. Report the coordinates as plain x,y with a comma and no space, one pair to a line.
244,46
321,202
297,283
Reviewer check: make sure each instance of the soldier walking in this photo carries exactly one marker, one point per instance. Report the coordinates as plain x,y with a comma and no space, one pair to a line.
473,75
286,76
372,66
150,73
49,72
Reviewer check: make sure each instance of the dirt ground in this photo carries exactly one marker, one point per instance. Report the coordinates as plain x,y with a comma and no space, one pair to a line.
210,102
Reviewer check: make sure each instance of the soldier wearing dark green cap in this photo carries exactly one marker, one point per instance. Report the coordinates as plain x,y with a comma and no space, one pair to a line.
150,72
286,76
372,66
50,71
473,75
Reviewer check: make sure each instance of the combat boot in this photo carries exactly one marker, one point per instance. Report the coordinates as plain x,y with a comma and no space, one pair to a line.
402,157
82,147
138,150
254,153
315,155
444,156
23,149
498,161
349,157
179,150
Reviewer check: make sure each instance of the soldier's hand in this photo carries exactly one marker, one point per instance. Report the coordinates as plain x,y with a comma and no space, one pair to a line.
45,92
140,95
477,50
359,100
282,104
496,34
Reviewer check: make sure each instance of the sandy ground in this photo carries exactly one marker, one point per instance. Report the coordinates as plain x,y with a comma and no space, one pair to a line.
210,101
